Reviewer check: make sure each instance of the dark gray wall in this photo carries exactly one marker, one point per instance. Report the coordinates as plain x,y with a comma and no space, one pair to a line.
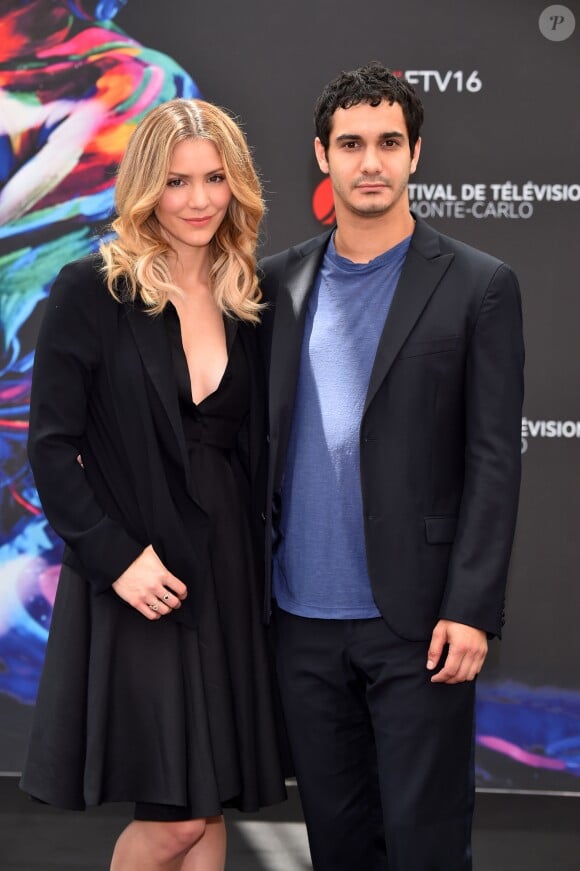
501,101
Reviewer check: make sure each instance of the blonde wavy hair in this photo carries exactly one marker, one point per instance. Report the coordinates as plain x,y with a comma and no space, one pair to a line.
137,259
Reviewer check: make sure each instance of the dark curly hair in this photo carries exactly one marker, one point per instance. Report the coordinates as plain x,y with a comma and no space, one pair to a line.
370,84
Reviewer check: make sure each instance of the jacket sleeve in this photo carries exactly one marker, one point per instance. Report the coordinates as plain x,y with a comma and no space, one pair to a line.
68,354
475,588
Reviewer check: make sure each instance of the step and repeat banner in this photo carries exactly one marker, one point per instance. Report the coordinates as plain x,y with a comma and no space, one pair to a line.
499,169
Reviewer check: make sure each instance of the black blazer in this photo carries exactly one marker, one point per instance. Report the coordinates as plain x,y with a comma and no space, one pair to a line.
103,387
440,433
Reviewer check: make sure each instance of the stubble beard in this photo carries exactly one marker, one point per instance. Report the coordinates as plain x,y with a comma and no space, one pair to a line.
374,209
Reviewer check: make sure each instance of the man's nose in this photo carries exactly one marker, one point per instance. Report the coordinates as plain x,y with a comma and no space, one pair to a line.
371,161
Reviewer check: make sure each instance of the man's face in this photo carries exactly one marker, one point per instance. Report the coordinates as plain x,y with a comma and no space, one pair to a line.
368,160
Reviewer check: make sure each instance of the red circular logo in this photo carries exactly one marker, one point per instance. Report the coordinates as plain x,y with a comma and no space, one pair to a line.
323,202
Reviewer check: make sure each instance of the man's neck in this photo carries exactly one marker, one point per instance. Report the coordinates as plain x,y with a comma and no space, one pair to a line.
361,239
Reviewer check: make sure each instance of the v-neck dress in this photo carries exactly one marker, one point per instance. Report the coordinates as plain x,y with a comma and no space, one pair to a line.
238,737
181,721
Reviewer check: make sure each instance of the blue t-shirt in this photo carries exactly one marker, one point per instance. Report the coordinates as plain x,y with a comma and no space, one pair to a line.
320,567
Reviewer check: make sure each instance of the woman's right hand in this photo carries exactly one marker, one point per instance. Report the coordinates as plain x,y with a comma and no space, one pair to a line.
150,587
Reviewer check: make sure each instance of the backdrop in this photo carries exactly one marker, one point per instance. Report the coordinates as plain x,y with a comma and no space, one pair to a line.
499,169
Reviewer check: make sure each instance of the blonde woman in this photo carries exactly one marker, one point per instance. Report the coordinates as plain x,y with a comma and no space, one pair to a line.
146,439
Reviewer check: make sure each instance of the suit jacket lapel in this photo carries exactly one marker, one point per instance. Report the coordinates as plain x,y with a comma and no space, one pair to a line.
288,329
423,269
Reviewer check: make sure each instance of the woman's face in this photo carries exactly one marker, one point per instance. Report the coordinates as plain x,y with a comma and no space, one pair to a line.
196,196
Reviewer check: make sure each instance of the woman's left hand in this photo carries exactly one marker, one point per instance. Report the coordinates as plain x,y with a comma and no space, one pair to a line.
150,587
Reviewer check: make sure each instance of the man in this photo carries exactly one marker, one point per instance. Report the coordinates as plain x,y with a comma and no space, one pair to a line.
396,360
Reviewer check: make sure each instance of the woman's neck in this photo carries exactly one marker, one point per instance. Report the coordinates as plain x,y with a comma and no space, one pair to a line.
191,273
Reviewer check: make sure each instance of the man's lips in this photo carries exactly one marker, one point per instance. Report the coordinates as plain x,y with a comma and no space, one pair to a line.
371,186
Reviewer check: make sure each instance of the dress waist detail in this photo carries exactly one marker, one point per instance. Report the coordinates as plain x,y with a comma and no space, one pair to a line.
215,431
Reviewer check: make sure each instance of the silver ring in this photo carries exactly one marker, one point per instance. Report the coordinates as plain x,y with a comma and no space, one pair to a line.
155,606
166,597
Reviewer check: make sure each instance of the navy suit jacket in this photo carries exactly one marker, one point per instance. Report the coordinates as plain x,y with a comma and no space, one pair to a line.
440,433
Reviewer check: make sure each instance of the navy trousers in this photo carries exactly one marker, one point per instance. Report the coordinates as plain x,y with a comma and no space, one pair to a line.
383,757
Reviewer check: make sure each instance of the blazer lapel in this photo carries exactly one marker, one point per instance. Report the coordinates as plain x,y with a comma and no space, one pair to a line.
287,332
423,269
151,339
247,336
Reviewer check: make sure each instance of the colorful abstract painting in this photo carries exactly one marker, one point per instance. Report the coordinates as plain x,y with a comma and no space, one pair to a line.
72,87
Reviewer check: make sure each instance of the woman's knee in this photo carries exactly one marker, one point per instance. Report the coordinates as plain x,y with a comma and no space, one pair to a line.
175,839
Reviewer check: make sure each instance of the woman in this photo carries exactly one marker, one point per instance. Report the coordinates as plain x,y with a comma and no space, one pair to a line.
146,434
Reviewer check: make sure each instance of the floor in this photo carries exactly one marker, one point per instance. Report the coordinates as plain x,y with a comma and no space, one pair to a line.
511,833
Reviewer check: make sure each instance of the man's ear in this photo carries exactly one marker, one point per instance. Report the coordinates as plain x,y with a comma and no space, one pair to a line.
416,153
320,152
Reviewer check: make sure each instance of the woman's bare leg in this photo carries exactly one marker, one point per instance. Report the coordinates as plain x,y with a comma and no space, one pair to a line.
157,846
209,853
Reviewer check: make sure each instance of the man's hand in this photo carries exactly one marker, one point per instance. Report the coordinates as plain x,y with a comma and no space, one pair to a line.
467,652
149,587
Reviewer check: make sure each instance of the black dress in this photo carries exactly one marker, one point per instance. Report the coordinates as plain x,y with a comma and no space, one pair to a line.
155,712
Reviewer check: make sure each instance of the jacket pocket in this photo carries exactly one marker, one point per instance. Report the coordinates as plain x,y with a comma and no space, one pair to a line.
431,346
440,529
